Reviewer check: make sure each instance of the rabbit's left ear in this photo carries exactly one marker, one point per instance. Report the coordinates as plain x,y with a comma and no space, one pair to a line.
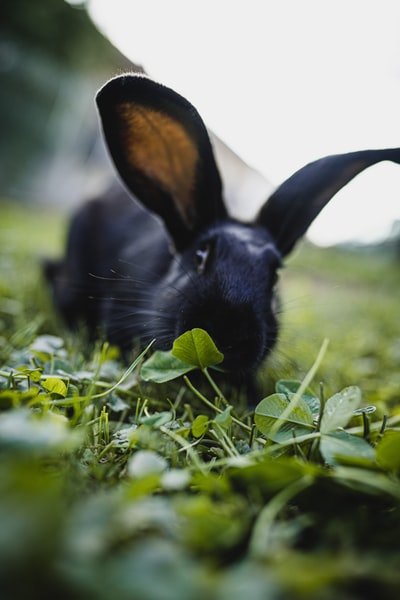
162,151
292,208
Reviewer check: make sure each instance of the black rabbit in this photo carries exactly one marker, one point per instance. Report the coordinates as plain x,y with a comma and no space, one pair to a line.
176,260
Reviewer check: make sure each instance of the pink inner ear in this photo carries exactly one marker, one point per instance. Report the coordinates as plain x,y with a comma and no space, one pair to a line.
159,147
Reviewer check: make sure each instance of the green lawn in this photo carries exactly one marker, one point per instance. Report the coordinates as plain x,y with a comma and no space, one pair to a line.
113,487
353,300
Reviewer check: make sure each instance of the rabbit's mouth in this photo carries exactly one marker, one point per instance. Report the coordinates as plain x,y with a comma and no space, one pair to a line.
243,338
245,353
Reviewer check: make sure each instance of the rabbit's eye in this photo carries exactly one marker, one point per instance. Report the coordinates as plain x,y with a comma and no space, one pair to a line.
201,257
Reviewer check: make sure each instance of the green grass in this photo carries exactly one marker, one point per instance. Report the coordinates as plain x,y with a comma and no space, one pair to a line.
352,299
114,487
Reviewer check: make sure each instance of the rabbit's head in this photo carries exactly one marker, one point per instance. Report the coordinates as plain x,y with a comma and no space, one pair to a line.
223,272
224,282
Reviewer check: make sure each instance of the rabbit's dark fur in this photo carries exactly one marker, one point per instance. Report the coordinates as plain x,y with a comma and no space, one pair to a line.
175,260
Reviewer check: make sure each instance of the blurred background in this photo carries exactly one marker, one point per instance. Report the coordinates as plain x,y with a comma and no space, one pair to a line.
281,83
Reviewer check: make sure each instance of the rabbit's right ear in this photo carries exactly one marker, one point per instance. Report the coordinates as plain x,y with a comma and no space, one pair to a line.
292,208
162,151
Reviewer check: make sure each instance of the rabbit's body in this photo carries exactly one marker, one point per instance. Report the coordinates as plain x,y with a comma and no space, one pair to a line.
99,236
143,277
121,274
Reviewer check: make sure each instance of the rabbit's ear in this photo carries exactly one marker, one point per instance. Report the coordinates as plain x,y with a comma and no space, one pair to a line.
162,151
291,209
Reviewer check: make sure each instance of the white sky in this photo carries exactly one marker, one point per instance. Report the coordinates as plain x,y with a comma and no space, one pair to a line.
283,82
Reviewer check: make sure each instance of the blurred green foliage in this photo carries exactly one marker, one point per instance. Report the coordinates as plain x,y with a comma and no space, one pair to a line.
52,61
58,31
354,297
